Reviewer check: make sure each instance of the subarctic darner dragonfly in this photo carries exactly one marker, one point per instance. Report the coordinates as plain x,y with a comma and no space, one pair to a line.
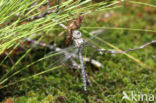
66,54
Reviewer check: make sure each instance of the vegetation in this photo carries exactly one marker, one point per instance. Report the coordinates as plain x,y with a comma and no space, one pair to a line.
31,73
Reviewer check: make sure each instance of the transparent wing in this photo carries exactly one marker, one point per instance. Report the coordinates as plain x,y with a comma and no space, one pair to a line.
59,56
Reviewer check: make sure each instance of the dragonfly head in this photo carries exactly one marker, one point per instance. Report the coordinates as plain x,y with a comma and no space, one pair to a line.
77,38
76,34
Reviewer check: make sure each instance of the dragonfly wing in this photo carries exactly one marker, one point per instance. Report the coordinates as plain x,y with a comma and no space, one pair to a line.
60,56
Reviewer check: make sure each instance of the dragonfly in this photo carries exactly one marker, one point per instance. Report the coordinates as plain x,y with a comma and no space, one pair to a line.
80,43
